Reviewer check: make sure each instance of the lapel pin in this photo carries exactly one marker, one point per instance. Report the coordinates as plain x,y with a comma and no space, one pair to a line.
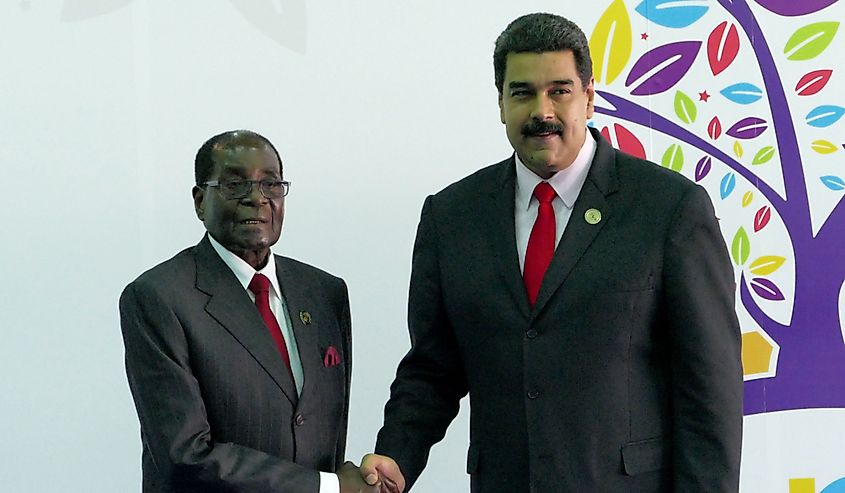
592,216
305,317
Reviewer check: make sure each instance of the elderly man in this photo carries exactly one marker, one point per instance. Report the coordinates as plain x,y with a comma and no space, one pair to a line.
583,298
239,359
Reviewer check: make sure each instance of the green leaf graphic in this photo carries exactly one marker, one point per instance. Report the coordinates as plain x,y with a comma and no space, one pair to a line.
685,107
763,156
766,264
809,41
673,158
740,247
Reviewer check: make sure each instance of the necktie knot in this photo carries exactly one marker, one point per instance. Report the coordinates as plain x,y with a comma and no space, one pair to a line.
544,192
259,284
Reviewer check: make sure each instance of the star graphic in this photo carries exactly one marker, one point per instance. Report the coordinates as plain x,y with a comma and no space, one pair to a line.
644,36
703,96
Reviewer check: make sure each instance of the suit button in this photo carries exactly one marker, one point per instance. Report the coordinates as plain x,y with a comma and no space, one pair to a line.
531,334
299,420
533,394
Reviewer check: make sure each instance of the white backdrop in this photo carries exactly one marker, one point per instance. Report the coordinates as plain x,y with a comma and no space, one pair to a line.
103,103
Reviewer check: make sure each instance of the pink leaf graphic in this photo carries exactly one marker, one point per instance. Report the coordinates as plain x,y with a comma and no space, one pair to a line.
748,128
702,168
766,289
813,82
762,217
722,47
714,128
793,8
663,67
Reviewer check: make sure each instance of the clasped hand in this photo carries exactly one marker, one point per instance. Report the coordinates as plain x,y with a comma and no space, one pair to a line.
377,474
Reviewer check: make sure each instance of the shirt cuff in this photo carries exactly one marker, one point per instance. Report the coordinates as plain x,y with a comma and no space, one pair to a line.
329,483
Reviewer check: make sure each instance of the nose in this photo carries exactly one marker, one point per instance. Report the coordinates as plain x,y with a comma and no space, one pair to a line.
254,196
543,108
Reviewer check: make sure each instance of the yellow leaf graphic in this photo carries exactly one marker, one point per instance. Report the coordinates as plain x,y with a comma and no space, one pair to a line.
766,264
824,146
747,198
738,149
611,42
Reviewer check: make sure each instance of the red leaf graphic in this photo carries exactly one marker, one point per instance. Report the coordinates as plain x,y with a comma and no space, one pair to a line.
813,82
761,219
624,140
714,128
628,142
722,47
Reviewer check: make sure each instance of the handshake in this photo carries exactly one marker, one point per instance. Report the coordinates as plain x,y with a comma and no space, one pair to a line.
377,474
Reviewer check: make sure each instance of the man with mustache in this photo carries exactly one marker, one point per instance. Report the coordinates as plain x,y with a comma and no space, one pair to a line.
239,360
582,297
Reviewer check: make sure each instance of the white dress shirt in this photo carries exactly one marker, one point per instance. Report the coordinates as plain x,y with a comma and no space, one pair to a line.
567,183
329,483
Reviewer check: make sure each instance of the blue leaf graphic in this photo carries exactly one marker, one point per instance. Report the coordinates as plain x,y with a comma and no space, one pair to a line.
824,116
727,186
672,13
833,182
742,93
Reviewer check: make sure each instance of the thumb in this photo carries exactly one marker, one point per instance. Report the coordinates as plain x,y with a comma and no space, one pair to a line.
368,471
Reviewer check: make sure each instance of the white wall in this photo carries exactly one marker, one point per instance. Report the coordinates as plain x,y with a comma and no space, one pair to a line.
103,103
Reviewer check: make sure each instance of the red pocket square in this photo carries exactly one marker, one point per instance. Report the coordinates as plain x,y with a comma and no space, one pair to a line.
332,357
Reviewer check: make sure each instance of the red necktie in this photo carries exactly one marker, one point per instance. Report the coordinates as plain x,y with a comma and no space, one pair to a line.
260,287
541,243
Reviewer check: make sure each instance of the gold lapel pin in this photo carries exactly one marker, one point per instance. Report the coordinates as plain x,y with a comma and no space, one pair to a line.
305,317
592,216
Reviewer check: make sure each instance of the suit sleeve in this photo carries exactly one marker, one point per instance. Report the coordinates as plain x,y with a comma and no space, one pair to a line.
430,381
346,340
699,295
174,425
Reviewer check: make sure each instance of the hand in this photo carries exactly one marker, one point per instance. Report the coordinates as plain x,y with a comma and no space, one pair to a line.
352,482
382,471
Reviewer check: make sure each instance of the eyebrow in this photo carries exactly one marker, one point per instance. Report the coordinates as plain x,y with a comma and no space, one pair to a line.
520,85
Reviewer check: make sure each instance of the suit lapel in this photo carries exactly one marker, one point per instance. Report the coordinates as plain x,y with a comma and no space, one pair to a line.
500,225
230,305
579,234
297,293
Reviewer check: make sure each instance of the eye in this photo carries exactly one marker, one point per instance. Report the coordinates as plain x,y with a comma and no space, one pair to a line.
233,185
520,93
271,184
560,91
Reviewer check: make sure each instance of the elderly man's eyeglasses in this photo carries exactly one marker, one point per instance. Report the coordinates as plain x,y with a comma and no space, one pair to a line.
238,189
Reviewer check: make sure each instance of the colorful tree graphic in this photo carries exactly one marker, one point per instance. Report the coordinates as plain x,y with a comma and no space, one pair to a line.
788,366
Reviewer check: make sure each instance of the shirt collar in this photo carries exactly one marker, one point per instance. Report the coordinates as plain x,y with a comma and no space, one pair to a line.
566,182
242,270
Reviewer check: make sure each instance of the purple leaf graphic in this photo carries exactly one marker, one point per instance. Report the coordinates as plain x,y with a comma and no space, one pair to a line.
674,60
766,289
748,128
702,168
792,8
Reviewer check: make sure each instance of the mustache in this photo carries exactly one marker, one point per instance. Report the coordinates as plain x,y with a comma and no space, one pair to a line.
537,127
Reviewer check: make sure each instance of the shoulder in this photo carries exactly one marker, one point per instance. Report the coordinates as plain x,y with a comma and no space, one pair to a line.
661,187
172,273
484,181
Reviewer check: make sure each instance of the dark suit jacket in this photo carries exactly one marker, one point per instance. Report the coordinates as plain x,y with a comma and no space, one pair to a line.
624,377
218,409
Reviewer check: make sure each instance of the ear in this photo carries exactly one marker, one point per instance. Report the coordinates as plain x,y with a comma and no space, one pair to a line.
199,202
591,95
501,109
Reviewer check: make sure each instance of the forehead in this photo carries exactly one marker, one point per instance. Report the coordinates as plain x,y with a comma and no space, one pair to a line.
541,68
245,158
